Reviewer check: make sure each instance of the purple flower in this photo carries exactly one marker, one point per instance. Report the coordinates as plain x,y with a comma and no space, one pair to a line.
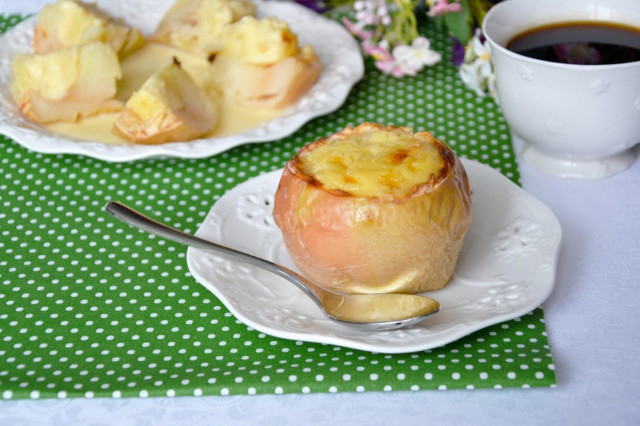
458,52
318,6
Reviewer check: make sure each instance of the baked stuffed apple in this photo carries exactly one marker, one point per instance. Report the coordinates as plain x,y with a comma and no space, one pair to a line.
375,209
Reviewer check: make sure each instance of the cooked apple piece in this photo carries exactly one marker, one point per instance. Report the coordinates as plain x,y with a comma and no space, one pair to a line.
262,66
69,23
199,25
260,41
169,107
266,86
66,84
374,209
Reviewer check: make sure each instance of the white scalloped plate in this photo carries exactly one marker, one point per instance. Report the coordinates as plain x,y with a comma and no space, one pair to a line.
336,48
506,268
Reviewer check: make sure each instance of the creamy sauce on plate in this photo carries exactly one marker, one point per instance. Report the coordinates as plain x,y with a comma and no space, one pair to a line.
136,69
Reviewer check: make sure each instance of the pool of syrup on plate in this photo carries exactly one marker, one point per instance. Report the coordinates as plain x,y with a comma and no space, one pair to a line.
139,66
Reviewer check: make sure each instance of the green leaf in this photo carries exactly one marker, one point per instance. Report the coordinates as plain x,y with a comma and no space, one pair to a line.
458,23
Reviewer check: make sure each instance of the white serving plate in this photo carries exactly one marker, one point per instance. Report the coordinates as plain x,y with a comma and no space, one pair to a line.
336,48
506,268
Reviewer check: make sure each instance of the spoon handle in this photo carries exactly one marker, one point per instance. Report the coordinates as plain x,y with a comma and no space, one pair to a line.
132,217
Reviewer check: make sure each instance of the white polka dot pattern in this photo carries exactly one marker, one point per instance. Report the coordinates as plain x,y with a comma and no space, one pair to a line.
91,308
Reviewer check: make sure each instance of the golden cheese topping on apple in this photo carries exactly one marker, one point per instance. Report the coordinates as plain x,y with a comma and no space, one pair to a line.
375,164
375,209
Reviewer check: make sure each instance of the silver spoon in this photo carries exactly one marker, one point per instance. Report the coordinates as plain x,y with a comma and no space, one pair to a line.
367,312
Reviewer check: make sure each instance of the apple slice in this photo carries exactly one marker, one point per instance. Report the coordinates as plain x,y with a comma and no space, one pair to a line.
262,66
199,25
169,107
69,23
66,84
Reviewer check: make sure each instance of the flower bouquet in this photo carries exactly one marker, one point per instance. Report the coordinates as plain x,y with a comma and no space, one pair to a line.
388,32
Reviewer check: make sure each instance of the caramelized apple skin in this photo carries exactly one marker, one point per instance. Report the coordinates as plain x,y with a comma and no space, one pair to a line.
370,245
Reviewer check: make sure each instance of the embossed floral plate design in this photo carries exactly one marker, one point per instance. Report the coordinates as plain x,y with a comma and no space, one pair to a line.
506,268
336,48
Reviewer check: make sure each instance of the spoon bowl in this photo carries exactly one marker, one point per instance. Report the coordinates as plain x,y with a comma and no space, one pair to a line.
368,312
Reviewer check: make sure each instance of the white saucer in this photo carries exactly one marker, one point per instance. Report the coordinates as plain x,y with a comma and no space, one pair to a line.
568,167
506,268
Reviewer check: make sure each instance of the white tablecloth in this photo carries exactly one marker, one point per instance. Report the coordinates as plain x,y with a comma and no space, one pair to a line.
591,319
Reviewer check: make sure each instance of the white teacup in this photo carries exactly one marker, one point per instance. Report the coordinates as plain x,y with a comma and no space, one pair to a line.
578,121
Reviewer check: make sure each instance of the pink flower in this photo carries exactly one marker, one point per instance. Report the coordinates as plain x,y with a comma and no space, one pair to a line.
391,67
384,60
376,51
440,7
357,30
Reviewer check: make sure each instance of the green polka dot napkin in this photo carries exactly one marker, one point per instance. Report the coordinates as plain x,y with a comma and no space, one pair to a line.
92,308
